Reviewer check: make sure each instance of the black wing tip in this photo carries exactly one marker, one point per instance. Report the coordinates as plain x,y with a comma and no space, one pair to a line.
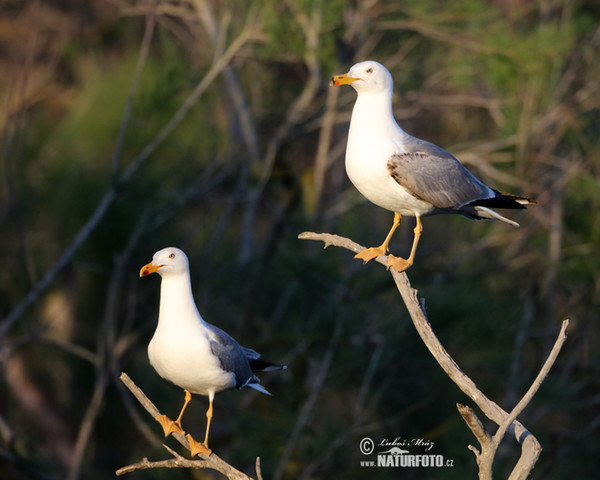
504,200
257,365
517,198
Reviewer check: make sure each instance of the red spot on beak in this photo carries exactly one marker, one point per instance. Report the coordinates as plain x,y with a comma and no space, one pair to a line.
149,268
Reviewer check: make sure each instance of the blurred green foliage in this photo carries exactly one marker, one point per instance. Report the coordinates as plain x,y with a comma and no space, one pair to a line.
510,88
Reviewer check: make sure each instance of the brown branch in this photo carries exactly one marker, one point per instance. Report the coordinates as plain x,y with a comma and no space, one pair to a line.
473,422
211,461
258,471
475,425
530,447
181,462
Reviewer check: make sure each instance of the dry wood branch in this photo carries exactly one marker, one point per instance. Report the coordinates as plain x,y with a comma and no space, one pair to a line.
475,425
473,422
211,461
530,447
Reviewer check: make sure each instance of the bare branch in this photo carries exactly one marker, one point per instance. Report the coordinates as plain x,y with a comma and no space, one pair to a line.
211,461
337,241
530,447
178,462
148,405
258,471
473,422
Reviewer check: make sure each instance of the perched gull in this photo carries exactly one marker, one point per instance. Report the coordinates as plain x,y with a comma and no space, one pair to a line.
404,174
191,353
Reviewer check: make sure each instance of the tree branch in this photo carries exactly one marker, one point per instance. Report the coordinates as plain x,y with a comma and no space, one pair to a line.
211,461
530,447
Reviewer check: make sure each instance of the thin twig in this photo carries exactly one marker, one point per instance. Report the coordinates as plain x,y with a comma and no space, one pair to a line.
258,471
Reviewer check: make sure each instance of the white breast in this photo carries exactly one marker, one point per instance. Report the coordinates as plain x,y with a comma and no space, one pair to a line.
370,145
187,361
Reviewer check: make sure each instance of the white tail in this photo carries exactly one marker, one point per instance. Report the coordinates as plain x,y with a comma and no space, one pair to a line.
485,212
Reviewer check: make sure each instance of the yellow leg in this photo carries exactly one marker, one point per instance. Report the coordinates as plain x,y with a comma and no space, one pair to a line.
400,264
196,447
209,414
373,252
188,399
170,426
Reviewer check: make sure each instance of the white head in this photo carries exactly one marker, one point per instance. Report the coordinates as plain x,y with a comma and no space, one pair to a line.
167,261
369,76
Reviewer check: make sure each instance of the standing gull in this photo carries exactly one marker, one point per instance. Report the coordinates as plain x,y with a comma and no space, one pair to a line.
404,174
191,353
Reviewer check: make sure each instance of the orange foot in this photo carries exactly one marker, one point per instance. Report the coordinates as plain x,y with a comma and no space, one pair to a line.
168,425
398,264
370,253
197,447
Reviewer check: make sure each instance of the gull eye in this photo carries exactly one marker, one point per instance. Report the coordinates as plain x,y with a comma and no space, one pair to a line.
172,256
370,70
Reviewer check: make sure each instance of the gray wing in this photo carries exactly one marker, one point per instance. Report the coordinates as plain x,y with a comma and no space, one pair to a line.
251,354
231,355
431,174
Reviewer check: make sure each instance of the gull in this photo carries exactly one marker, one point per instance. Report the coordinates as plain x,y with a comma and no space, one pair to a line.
191,353
405,174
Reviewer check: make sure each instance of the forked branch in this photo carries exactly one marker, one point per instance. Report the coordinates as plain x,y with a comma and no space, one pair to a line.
530,447
211,461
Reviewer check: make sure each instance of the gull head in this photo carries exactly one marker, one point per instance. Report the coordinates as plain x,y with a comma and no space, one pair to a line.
369,76
167,261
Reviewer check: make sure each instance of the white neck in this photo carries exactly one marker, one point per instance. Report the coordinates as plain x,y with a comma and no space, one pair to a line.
373,112
177,302
372,124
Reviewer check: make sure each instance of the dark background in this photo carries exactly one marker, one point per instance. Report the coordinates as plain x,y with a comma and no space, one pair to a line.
98,171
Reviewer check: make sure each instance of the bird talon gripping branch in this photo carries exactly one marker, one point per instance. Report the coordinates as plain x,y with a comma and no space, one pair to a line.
197,448
169,426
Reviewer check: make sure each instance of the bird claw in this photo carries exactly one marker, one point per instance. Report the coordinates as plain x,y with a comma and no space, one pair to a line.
398,264
369,254
197,448
169,426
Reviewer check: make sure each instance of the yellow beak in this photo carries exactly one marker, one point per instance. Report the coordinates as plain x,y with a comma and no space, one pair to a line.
344,79
149,268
